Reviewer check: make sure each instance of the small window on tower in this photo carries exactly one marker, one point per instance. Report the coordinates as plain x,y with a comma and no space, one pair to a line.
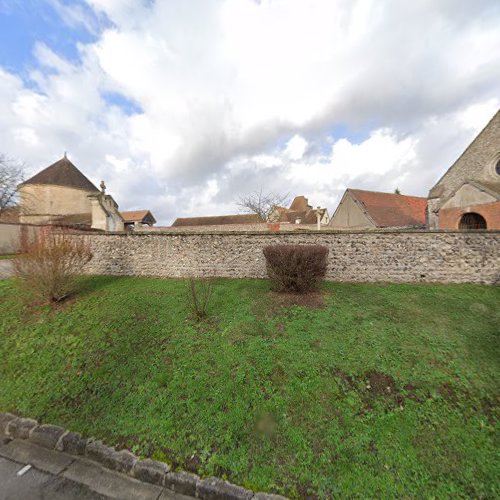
497,167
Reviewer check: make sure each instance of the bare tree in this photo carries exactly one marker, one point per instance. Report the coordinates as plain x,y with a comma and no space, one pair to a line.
263,204
11,175
49,264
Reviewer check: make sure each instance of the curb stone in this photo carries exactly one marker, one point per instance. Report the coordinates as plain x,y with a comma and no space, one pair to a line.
123,461
46,435
73,443
182,482
101,453
20,427
5,419
151,471
214,488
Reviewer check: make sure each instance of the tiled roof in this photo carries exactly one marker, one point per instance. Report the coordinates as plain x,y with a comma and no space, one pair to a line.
217,220
392,210
300,203
306,216
62,173
136,215
292,215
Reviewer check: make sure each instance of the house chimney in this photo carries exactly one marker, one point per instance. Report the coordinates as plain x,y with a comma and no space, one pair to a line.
103,187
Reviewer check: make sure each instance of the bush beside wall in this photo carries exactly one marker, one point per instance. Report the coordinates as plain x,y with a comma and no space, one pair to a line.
295,268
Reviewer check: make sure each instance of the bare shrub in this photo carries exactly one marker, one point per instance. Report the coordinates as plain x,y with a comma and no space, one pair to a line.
200,291
48,264
11,175
295,268
263,204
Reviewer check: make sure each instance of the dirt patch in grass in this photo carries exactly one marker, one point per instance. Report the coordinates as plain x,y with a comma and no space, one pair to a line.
380,384
491,410
313,300
376,385
193,463
306,491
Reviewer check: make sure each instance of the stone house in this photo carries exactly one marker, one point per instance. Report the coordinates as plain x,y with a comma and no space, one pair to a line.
468,195
137,219
359,209
300,212
61,194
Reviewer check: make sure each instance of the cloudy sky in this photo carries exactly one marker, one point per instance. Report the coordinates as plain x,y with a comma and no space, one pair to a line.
182,106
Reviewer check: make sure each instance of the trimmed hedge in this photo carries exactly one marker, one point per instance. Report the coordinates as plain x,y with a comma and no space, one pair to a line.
295,268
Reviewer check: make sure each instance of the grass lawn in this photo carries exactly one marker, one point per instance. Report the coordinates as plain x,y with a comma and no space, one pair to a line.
381,391
7,256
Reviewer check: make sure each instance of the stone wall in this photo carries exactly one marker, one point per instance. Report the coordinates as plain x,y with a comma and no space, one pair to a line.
11,236
369,256
251,228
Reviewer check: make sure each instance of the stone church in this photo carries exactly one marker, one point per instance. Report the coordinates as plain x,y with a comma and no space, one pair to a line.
468,195
61,194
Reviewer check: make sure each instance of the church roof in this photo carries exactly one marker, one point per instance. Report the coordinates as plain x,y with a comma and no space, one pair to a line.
62,173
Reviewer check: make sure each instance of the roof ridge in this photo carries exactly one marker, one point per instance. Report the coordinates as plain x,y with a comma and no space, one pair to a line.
62,173
386,193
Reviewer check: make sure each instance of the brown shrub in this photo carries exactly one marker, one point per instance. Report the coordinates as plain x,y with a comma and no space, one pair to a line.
295,268
200,292
48,264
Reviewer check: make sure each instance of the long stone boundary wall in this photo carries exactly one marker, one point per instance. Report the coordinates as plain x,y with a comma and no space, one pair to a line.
383,256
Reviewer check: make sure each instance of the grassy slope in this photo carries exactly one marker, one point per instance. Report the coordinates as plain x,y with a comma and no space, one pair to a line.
270,396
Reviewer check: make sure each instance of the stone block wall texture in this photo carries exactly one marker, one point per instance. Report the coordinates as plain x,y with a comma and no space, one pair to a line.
251,228
385,256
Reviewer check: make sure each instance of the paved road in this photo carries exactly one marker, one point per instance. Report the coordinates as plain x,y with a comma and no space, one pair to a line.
5,268
58,476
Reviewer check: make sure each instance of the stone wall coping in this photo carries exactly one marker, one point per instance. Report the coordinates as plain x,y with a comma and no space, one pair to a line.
150,471
297,232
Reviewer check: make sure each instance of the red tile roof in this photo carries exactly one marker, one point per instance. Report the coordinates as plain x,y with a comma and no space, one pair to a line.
300,203
137,216
390,209
217,220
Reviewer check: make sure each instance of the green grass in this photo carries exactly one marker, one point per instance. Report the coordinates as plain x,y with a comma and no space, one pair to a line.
7,256
271,395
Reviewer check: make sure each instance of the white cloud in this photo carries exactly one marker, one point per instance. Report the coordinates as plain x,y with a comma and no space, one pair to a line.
234,95
296,147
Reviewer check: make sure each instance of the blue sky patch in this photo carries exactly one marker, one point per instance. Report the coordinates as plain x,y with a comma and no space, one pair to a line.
23,23
125,104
